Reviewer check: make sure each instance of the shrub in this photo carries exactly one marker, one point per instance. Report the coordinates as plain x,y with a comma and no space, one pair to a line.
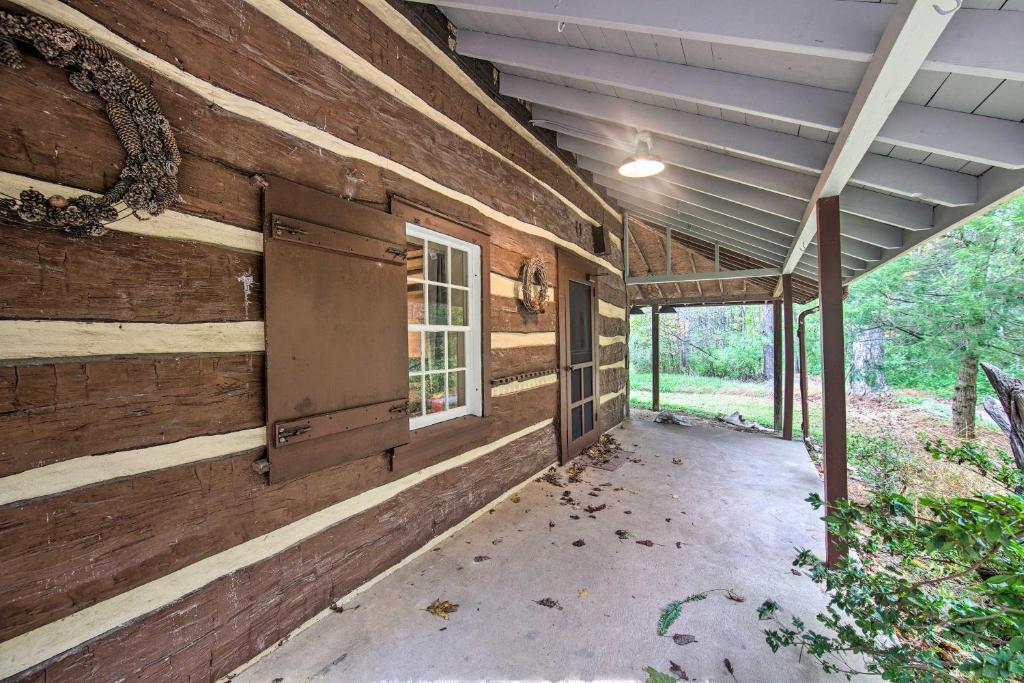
740,358
933,589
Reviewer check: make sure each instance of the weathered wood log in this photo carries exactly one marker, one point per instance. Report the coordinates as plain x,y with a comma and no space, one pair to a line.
1010,391
210,632
55,411
125,278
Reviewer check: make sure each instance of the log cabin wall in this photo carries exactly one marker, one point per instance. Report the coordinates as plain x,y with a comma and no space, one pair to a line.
139,542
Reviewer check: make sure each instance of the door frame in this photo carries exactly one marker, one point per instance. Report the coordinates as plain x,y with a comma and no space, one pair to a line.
572,267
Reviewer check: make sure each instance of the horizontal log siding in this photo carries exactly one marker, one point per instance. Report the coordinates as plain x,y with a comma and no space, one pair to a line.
210,632
99,541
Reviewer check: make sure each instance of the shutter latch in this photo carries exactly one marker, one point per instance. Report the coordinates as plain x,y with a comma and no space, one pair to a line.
290,432
280,227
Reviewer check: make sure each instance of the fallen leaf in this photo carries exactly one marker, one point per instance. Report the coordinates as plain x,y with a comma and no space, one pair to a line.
591,493
583,593
574,516
627,512
677,461
515,498
683,638
481,558
668,519
590,509
496,541
579,543
669,615
728,667
679,544
794,572
548,602
646,542
675,496
442,608
655,676
551,525
623,534
734,596
677,670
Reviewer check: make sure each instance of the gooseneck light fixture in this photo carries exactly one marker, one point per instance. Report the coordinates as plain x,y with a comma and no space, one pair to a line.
643,163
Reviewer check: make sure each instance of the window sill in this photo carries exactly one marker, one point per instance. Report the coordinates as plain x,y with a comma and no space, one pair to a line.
432,444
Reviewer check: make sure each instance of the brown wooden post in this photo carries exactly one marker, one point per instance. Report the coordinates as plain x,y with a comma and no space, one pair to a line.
787,375
777,364
801,333
655,360
833,375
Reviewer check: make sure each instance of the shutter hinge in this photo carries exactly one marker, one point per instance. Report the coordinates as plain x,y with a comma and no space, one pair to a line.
399,253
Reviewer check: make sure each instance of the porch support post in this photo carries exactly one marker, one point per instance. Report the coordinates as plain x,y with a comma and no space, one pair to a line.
655,356
629,303
801,333
787,307
777,364
833,377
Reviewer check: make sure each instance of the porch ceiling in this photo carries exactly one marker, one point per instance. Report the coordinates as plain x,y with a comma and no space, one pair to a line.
913,113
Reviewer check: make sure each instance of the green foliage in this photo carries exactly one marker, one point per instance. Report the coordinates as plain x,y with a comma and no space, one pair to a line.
669,615
674,609
740,357
933,589
880,462
655,676
996,466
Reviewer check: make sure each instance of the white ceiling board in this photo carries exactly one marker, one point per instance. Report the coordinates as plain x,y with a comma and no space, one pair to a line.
923,86
1006,102
791,151
963,93
823,72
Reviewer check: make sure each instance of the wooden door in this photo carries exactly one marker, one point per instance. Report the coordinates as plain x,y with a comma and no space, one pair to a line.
577,312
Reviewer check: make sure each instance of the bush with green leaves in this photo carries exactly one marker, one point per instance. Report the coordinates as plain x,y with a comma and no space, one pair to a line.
880,462
740,357
933,589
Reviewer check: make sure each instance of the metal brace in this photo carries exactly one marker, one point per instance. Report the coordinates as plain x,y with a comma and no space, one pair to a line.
284,434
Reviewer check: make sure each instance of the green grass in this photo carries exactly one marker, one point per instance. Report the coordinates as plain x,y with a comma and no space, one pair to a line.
712,396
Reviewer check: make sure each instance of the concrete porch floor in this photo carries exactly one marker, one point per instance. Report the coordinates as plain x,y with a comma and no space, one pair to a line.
735,505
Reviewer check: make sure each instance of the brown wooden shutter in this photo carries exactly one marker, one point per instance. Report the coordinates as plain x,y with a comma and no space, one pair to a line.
337,381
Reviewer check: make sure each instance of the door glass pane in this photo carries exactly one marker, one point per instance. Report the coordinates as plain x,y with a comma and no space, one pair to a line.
415,353
437,262
456,349
576,385
414,298
459,299
456,389
577,422
415,396
460,267
435,351
588,416
438,305
435,392
580,323
414,257
588,381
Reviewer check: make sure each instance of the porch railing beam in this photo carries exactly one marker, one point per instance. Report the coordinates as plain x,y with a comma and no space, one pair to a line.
833,375
700,277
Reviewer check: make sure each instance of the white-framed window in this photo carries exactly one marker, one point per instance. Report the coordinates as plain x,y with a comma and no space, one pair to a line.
444,309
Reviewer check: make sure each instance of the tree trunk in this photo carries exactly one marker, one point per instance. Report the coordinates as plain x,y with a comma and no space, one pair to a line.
965,398
867,378
1008,411
767,349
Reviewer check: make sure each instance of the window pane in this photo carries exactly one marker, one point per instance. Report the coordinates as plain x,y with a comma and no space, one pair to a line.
460,312
577,422
415,396
456,349
577,376
435,392
588,381
414,298
438,305
588,416
437,266
460,267
435,351
456,389
415,353
414,257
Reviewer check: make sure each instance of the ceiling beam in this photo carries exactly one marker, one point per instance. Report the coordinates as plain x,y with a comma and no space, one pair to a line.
705,277
982,139
912,31
585,136
975,44
878,172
